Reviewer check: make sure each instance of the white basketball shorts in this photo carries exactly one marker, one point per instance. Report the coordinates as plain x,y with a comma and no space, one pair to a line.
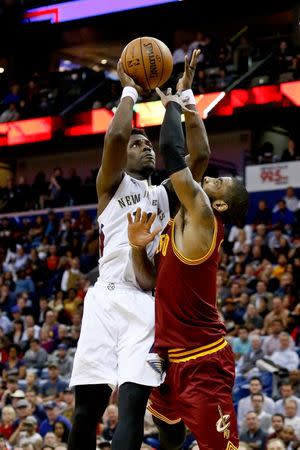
116,335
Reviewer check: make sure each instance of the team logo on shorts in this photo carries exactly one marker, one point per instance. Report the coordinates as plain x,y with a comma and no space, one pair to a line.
230,446
223,424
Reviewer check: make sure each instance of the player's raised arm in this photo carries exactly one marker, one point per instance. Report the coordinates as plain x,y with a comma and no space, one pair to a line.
117,136
196,136
171,144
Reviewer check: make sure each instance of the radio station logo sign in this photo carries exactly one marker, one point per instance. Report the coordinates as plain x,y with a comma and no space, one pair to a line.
271,177
277,175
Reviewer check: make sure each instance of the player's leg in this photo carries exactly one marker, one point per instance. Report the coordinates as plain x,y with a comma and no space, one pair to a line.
171,437
135,376
204,398
132,403
90,403
94,368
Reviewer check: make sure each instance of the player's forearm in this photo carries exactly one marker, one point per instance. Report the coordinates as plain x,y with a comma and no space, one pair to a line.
171,140
121,124
196,136
144,269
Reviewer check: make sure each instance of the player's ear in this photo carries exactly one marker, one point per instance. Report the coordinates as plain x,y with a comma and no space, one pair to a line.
220,205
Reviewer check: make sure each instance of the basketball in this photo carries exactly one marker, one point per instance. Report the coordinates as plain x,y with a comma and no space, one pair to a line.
148,61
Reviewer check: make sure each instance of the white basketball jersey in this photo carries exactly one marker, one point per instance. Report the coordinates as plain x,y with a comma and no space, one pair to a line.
115,263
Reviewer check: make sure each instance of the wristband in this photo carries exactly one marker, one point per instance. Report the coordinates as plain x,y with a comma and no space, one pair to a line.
129,91
187,97
137,247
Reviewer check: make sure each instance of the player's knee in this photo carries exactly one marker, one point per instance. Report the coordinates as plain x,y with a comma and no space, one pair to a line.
83,417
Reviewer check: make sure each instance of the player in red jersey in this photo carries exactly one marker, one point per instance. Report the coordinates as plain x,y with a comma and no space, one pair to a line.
189,334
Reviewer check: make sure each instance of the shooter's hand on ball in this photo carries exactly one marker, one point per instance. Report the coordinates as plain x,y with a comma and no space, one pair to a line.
126,80
185,82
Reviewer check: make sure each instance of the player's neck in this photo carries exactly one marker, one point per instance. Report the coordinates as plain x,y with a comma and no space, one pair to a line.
139,176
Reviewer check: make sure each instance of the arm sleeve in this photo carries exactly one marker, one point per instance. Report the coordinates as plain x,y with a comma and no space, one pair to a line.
171,141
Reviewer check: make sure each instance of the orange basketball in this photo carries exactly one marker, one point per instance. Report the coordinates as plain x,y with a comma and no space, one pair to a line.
148,61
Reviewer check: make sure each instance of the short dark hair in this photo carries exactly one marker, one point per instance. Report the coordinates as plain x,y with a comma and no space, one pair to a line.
279,415
237,199
139,131
257,395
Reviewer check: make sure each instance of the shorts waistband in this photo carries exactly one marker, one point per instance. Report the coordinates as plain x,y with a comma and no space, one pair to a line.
177,355
112,285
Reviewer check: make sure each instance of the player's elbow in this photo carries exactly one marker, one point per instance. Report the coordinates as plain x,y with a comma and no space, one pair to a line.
147,284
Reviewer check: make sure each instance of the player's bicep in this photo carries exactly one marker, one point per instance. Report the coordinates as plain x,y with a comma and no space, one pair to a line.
185,187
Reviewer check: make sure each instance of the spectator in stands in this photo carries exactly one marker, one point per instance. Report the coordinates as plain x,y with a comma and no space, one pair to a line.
278,312
263,214
271,342
8,417
253,435
242,344
179,58
290,153
23,409
56,189
55,386
71,277
291,418
263,417
26,433
244,405
242,55
53,416
37,409
285,357
291,199
111,415
15,365
276,444
11,114
61,431
286,392
11,388
64,362
252,318
289,438
277,426
36,357
255,353
69,400
265,154
283,216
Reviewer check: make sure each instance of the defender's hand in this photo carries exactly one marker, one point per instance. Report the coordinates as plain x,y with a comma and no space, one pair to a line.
139,234
186,81
126,80
169,97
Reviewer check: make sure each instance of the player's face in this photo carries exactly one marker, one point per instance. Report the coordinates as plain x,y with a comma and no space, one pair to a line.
216,188
140,154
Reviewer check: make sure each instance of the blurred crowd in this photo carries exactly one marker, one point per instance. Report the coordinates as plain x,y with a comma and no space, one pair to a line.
221,63
47,263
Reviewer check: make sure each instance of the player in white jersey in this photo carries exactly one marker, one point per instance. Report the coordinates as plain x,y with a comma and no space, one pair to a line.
118,321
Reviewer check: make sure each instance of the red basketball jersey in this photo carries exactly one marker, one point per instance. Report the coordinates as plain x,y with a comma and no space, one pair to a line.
185,309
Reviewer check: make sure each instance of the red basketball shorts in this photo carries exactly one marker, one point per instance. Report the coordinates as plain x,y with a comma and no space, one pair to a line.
198,390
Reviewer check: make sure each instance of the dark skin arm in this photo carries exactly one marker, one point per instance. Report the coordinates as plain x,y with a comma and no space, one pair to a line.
196,136
194,224
114,156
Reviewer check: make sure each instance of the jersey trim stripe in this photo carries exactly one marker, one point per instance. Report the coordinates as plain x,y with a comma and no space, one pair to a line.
161,417
199,355
189,261
230,446
174,352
